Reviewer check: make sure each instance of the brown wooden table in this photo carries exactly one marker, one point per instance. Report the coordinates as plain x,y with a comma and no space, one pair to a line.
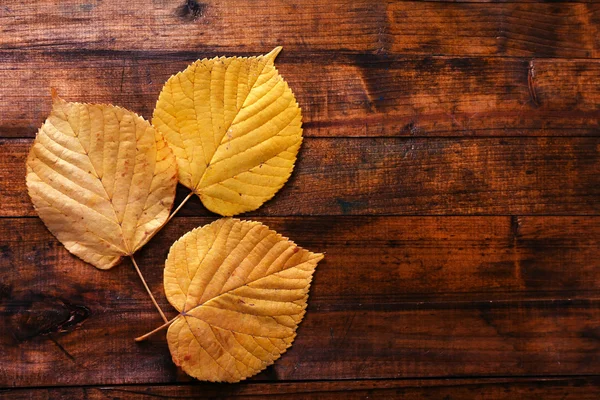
450,171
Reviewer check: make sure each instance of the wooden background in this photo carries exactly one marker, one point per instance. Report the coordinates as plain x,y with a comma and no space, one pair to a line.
450,171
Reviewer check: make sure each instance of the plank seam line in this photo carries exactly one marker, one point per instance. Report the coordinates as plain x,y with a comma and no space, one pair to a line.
298,55
481,378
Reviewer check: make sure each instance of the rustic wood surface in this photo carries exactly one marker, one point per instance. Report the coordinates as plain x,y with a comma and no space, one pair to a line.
450,172
483,389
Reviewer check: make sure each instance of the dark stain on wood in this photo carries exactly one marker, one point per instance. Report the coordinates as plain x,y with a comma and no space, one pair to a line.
5,291
515,224
345,206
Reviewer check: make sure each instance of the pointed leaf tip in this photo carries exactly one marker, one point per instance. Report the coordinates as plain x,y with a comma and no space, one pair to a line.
273,53
54,95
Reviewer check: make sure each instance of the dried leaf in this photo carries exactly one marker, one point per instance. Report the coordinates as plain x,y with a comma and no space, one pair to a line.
235,128
241,290
101,178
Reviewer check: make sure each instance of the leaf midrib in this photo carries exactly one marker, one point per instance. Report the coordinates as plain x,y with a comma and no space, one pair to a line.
199,186
206,303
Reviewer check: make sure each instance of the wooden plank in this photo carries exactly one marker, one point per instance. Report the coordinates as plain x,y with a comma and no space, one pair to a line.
581,388
341,94
519,176
531,29
499,339
429,258
395,297
499,29
467,108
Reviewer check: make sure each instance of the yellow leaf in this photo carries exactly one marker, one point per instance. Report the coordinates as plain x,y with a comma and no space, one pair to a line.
101,178
235,128
241,290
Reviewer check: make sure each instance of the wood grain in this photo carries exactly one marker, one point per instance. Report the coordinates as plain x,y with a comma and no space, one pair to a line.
340,94
580,388
520,176
498,339
394,297
429,258
532,29
450,172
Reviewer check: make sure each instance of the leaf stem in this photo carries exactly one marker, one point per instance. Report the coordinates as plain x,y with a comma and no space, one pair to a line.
170,216
162,314
147,288
179,207
163,326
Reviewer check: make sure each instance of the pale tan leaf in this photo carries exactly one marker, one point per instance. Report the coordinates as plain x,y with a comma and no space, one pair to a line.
101,178
241,290
235,128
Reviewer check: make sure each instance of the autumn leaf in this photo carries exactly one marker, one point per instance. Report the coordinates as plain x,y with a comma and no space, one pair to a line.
241,291
102,179
235,128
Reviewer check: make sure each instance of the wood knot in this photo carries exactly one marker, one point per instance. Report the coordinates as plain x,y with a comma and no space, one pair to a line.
192,10
43,315
531,84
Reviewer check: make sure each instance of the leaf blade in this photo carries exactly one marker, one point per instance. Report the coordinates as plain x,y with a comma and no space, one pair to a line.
225,119
243,281
102,180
